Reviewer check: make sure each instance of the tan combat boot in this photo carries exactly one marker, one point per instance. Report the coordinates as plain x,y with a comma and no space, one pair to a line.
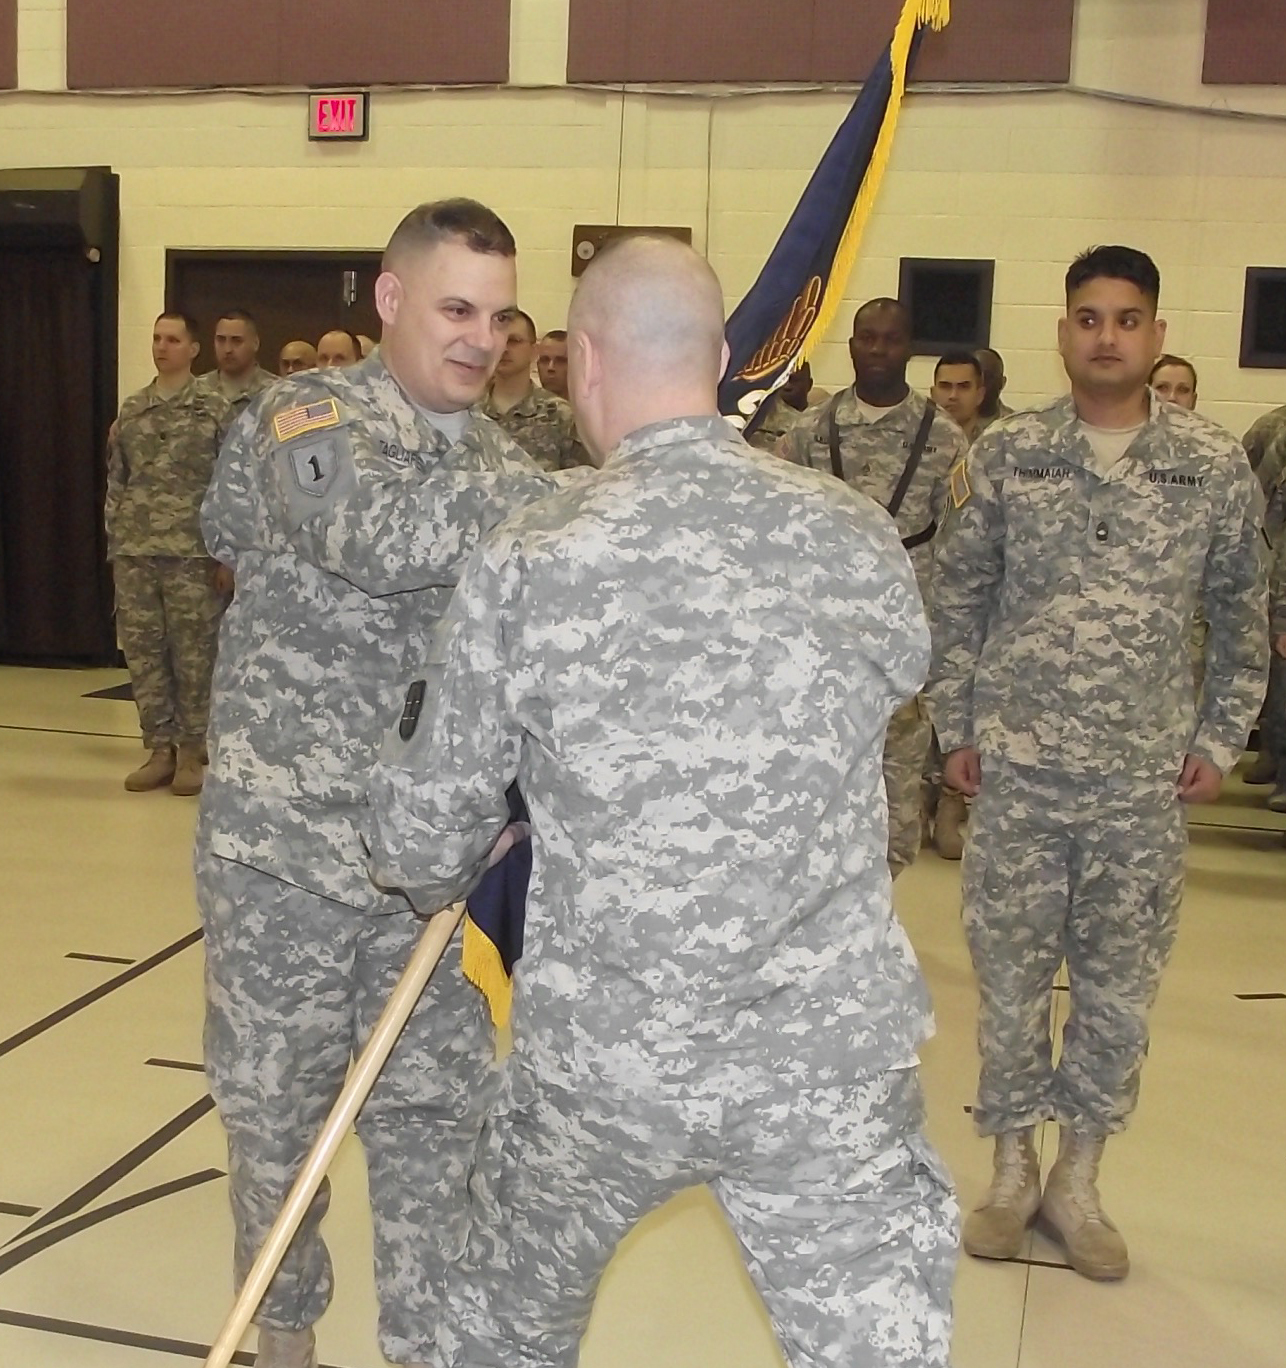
154,773
948,830
286,1348
995,1228
189,774
1072,1212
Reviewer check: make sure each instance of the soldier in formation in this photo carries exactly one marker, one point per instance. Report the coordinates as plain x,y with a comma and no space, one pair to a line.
161,454
540,422
897,447
1081,539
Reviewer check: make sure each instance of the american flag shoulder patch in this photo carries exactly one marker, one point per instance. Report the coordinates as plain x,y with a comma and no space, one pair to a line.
961,489
294,422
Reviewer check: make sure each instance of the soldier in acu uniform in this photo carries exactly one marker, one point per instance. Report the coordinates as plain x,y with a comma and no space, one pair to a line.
1174,379
786,408
237,376
160,457
1265,443
1273,722
295,357
339,347
895,446
688,665
994,382
1081,540
551,362
540,422
347,503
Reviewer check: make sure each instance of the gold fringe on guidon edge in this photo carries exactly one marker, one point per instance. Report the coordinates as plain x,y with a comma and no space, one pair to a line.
935,13
484,968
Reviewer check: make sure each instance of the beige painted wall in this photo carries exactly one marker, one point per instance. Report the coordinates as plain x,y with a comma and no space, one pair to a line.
1026,178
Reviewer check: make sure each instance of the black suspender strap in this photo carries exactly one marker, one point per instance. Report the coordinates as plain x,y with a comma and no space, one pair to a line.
908,471
913,460
832,436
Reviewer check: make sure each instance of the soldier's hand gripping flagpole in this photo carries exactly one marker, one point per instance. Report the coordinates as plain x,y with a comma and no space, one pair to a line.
401,1003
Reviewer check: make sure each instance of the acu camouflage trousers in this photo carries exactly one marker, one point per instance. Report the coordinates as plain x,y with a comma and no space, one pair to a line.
905,748
845,1216
1060,868
294,985
167,623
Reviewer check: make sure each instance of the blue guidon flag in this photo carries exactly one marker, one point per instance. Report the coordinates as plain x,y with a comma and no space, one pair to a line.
794,301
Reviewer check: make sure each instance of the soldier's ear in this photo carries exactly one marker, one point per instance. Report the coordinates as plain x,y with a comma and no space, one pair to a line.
388,297
1160,338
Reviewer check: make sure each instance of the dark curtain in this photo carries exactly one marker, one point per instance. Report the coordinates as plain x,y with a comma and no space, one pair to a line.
55,588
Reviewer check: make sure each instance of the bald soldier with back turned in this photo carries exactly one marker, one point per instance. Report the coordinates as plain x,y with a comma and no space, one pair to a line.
688,665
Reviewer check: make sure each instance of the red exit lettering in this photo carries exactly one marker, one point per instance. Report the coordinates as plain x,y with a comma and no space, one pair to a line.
337,115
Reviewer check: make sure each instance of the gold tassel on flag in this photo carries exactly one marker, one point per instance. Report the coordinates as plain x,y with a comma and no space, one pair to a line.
480,960
935,14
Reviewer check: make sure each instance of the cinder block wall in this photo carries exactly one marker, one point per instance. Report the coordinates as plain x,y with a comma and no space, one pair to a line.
1028,179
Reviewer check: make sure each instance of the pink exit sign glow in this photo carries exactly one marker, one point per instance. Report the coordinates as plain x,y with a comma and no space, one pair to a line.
338,116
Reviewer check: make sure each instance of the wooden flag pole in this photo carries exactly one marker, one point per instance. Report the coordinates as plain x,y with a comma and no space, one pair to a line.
401,1003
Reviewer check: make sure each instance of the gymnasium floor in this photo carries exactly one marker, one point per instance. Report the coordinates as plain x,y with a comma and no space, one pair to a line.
112,1200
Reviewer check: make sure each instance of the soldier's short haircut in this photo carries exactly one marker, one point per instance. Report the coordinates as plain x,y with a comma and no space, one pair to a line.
991,351
352,337
959,357
555,335
239,316
449,220
190,323
1116,263
1166,359
882,303
529,321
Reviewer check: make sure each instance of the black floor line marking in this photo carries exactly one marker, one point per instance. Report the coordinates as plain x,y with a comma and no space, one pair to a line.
118,1169
1259,997
106,1334
99,959
121,693
94,994
1040,1263
67,731
87,1220
1062,988
175,1064
17,1209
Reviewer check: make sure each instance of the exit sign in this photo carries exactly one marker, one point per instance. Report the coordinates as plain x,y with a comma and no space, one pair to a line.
339,116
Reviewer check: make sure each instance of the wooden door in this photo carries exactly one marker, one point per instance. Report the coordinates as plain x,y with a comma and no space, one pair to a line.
292,295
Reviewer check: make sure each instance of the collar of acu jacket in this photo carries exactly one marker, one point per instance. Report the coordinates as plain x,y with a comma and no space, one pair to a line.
909,409
1158,443
183,395
672,432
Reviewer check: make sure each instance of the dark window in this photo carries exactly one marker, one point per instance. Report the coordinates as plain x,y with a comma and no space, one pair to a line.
1263,318
950,302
